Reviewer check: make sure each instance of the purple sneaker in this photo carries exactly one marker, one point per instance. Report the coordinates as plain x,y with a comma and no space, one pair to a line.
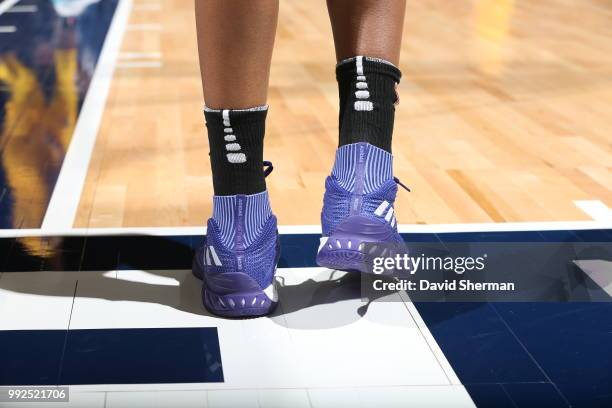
238,260
358,208
239,282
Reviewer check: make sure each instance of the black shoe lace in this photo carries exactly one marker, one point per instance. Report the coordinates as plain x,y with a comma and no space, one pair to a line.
268,167
401,184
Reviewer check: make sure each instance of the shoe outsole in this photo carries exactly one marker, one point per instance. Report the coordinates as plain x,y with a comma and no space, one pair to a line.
355,241
351,260
341,259
249,304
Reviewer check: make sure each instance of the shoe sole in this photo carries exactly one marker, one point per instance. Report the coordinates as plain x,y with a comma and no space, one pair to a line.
346,248
244,298
335,254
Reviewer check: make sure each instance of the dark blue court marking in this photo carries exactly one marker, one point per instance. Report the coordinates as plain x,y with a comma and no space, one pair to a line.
528,354
45,70
110,356
478,344
568,343
97,253
175,252
507,354
298,250
513,395
30,356
571,341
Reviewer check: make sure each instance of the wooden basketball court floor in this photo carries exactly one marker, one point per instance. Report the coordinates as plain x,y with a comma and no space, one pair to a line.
504,126
505,116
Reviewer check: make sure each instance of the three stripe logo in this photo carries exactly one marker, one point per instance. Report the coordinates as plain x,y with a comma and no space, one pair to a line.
386,210
211,258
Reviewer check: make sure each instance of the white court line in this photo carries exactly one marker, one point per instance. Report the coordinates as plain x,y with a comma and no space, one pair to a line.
140,64
431,340
308,229
26,8
7,4
505,226
595,209
7,29
67,193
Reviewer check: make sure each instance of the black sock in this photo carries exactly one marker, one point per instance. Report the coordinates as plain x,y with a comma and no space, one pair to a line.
367,101
236,149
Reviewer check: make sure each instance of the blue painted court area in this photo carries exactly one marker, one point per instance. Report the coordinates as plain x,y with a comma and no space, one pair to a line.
504,354
111,356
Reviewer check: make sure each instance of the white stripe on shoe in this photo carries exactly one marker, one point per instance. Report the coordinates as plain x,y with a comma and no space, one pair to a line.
207,259
381,208
389,215
214,256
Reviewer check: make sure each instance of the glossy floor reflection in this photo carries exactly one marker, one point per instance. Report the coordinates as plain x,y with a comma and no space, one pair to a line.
103,318
46,66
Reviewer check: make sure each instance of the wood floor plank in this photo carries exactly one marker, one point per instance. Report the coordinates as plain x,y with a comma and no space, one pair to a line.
505,115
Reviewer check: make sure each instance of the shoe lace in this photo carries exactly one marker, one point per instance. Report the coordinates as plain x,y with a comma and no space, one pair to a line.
268,168
401,184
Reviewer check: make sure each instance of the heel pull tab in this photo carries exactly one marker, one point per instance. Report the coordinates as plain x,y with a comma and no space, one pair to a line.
360,161
239,237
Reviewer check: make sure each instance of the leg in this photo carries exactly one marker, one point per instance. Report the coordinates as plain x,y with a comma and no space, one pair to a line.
235,41
238,260
371,29
358,214
367,27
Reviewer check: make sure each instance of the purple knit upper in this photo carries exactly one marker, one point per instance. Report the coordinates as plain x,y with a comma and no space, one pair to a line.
244,237
374,194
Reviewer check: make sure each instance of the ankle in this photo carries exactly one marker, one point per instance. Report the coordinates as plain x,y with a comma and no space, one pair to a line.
367,100
236,149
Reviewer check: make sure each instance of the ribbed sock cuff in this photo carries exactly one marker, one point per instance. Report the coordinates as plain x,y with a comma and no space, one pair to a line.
366,88
236,149
256,214
370,65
